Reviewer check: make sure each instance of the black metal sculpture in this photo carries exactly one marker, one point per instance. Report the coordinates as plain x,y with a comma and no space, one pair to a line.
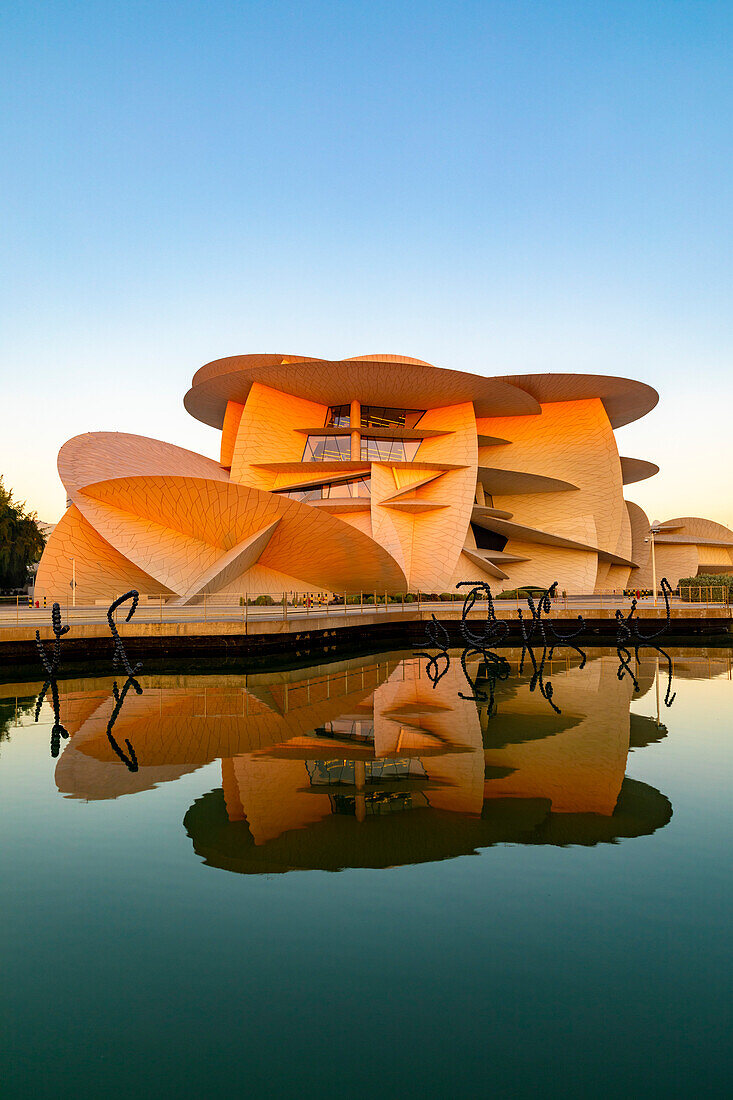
52,666
481,645
495,631
543,626
628,637
119,658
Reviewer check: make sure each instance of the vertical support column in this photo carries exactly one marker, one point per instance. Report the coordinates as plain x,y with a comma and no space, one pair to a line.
355,431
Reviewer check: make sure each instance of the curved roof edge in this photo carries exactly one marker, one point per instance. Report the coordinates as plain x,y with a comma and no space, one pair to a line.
369,378
624,399
637,469
241,362
95,456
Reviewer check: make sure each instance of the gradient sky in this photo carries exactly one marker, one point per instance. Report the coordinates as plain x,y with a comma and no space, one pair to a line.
493,187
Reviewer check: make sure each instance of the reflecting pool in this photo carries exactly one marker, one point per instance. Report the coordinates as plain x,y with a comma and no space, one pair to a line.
357,878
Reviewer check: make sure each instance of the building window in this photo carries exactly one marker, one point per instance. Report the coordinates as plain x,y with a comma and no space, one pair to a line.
379,416
358,487
389,450
488,540
348,729
339,416
341,490
381,791
327,448
329,773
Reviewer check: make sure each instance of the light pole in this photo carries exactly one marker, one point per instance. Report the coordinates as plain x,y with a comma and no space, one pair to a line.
654,530
73,582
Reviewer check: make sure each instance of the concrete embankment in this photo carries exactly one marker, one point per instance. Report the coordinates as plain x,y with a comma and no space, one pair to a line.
302,637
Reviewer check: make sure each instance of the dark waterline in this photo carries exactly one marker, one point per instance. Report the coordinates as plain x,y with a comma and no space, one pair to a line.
526,902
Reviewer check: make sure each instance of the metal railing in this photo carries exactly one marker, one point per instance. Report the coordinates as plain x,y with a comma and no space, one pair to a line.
328,606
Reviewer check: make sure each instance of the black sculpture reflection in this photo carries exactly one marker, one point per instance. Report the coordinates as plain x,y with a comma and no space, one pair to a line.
495,668
129,759
439,639
52,666
628,636
495,631
119,657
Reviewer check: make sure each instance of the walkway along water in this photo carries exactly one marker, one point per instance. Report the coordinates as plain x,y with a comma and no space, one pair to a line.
294,631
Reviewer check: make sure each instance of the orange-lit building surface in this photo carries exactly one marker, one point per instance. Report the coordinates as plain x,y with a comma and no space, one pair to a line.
376,473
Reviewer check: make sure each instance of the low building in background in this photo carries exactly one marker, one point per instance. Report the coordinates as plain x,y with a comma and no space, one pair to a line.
378,473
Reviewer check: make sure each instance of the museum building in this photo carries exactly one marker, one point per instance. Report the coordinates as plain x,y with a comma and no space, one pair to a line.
378,473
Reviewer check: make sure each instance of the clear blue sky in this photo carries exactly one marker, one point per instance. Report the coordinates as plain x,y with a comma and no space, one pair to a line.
495,187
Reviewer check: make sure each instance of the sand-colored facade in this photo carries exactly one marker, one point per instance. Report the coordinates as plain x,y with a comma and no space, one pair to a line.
376,473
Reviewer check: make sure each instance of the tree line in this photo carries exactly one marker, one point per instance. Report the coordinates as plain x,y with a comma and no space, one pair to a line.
21,540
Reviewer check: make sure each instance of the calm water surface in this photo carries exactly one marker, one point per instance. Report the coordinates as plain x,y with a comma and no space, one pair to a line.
344,881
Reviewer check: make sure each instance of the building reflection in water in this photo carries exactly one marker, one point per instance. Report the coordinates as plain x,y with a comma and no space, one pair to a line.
366,764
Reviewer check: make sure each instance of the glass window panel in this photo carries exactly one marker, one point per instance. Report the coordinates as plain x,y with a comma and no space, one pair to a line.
302,494
327,448
340,489
357,487
389,450
382,416
338,416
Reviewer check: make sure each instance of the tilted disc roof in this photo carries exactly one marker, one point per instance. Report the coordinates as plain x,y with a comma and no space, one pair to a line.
624,399
378,380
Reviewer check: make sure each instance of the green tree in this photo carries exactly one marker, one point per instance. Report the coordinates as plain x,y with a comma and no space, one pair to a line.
21,540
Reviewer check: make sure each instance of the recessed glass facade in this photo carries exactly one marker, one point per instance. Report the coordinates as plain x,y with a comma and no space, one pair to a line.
357,487
389,450
380,416
327,448
382,779
339,416
337,448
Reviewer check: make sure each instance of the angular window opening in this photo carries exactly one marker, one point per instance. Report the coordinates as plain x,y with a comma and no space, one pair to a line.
348,729
356,487
379,777
327,448
380,416
488,540
389,450
338,416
